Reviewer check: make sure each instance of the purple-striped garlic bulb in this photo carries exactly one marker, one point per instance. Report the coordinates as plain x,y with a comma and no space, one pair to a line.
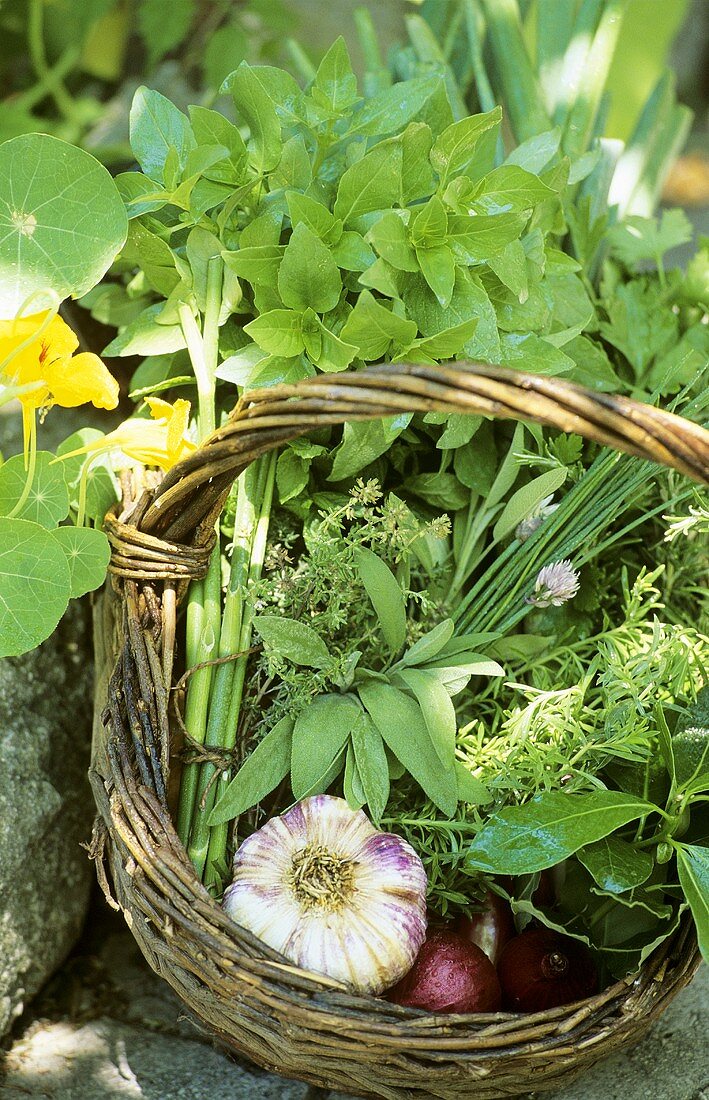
333,894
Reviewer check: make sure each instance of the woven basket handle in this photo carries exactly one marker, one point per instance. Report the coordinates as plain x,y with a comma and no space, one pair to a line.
185,505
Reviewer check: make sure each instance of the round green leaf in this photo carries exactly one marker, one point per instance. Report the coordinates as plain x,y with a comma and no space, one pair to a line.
87,552
35,585
62,221
48,500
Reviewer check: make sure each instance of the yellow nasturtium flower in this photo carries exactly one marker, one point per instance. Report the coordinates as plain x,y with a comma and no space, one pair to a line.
47,363
161,441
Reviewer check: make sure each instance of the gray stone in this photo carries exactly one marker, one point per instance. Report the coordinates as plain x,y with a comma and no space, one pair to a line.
45,809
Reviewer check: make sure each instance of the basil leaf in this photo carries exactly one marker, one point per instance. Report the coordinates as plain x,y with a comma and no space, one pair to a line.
373,183
454,149
391,109
308,275
260,774
335,85
156,127
372,328
616,865
279,332
549,828
401,723
693,867
510,187
256,107
385,593
535,153
319,736
363,442
257,264
292,640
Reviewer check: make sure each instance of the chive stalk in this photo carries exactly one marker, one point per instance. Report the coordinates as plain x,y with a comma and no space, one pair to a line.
519,85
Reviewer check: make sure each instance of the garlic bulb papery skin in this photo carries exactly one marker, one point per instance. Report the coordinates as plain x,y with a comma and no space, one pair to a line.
333,894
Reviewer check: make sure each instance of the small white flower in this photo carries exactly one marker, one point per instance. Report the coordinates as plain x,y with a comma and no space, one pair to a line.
528,526
555,584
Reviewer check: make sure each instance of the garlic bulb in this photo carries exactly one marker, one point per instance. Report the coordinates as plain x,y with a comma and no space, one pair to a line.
322,886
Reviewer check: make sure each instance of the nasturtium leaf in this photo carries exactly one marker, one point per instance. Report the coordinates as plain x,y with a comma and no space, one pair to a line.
693,867
335,85
372,765
256,107
319,736
615,864
62,222
399,720
372,183
392,108
88,553
35,585
278,332
454,149
48,499
308,275
156,127
146,336
292,640
385,594
523,502
260,774
437,709
101,482
551,827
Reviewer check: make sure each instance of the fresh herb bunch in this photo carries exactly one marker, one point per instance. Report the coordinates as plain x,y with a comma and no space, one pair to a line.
333,228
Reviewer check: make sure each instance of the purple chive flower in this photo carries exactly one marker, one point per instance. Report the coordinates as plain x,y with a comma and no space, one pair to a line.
555,584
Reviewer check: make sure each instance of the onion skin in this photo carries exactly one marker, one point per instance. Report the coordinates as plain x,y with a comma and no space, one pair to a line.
450,975
491,928
540,969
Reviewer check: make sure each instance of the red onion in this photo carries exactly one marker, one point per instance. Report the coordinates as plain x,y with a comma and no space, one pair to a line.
491,928
541,969
449,975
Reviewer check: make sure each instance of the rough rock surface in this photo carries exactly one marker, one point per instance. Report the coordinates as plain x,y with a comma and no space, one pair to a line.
45,809
108,1027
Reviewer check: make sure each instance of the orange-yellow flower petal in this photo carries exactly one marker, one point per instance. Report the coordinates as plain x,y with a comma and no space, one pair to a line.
67,379
158,442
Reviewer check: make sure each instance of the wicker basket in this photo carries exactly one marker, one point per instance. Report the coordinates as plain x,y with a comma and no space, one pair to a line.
256,1004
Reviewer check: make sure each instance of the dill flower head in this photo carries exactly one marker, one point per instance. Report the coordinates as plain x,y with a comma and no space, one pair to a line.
555,584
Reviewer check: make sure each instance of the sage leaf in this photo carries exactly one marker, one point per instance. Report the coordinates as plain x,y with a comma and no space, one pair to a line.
260,774
437,709
385,594
693,867
524,501
429,645
400,721
372,765
615,864
470,789
292,640
320,733
352,783
551,827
